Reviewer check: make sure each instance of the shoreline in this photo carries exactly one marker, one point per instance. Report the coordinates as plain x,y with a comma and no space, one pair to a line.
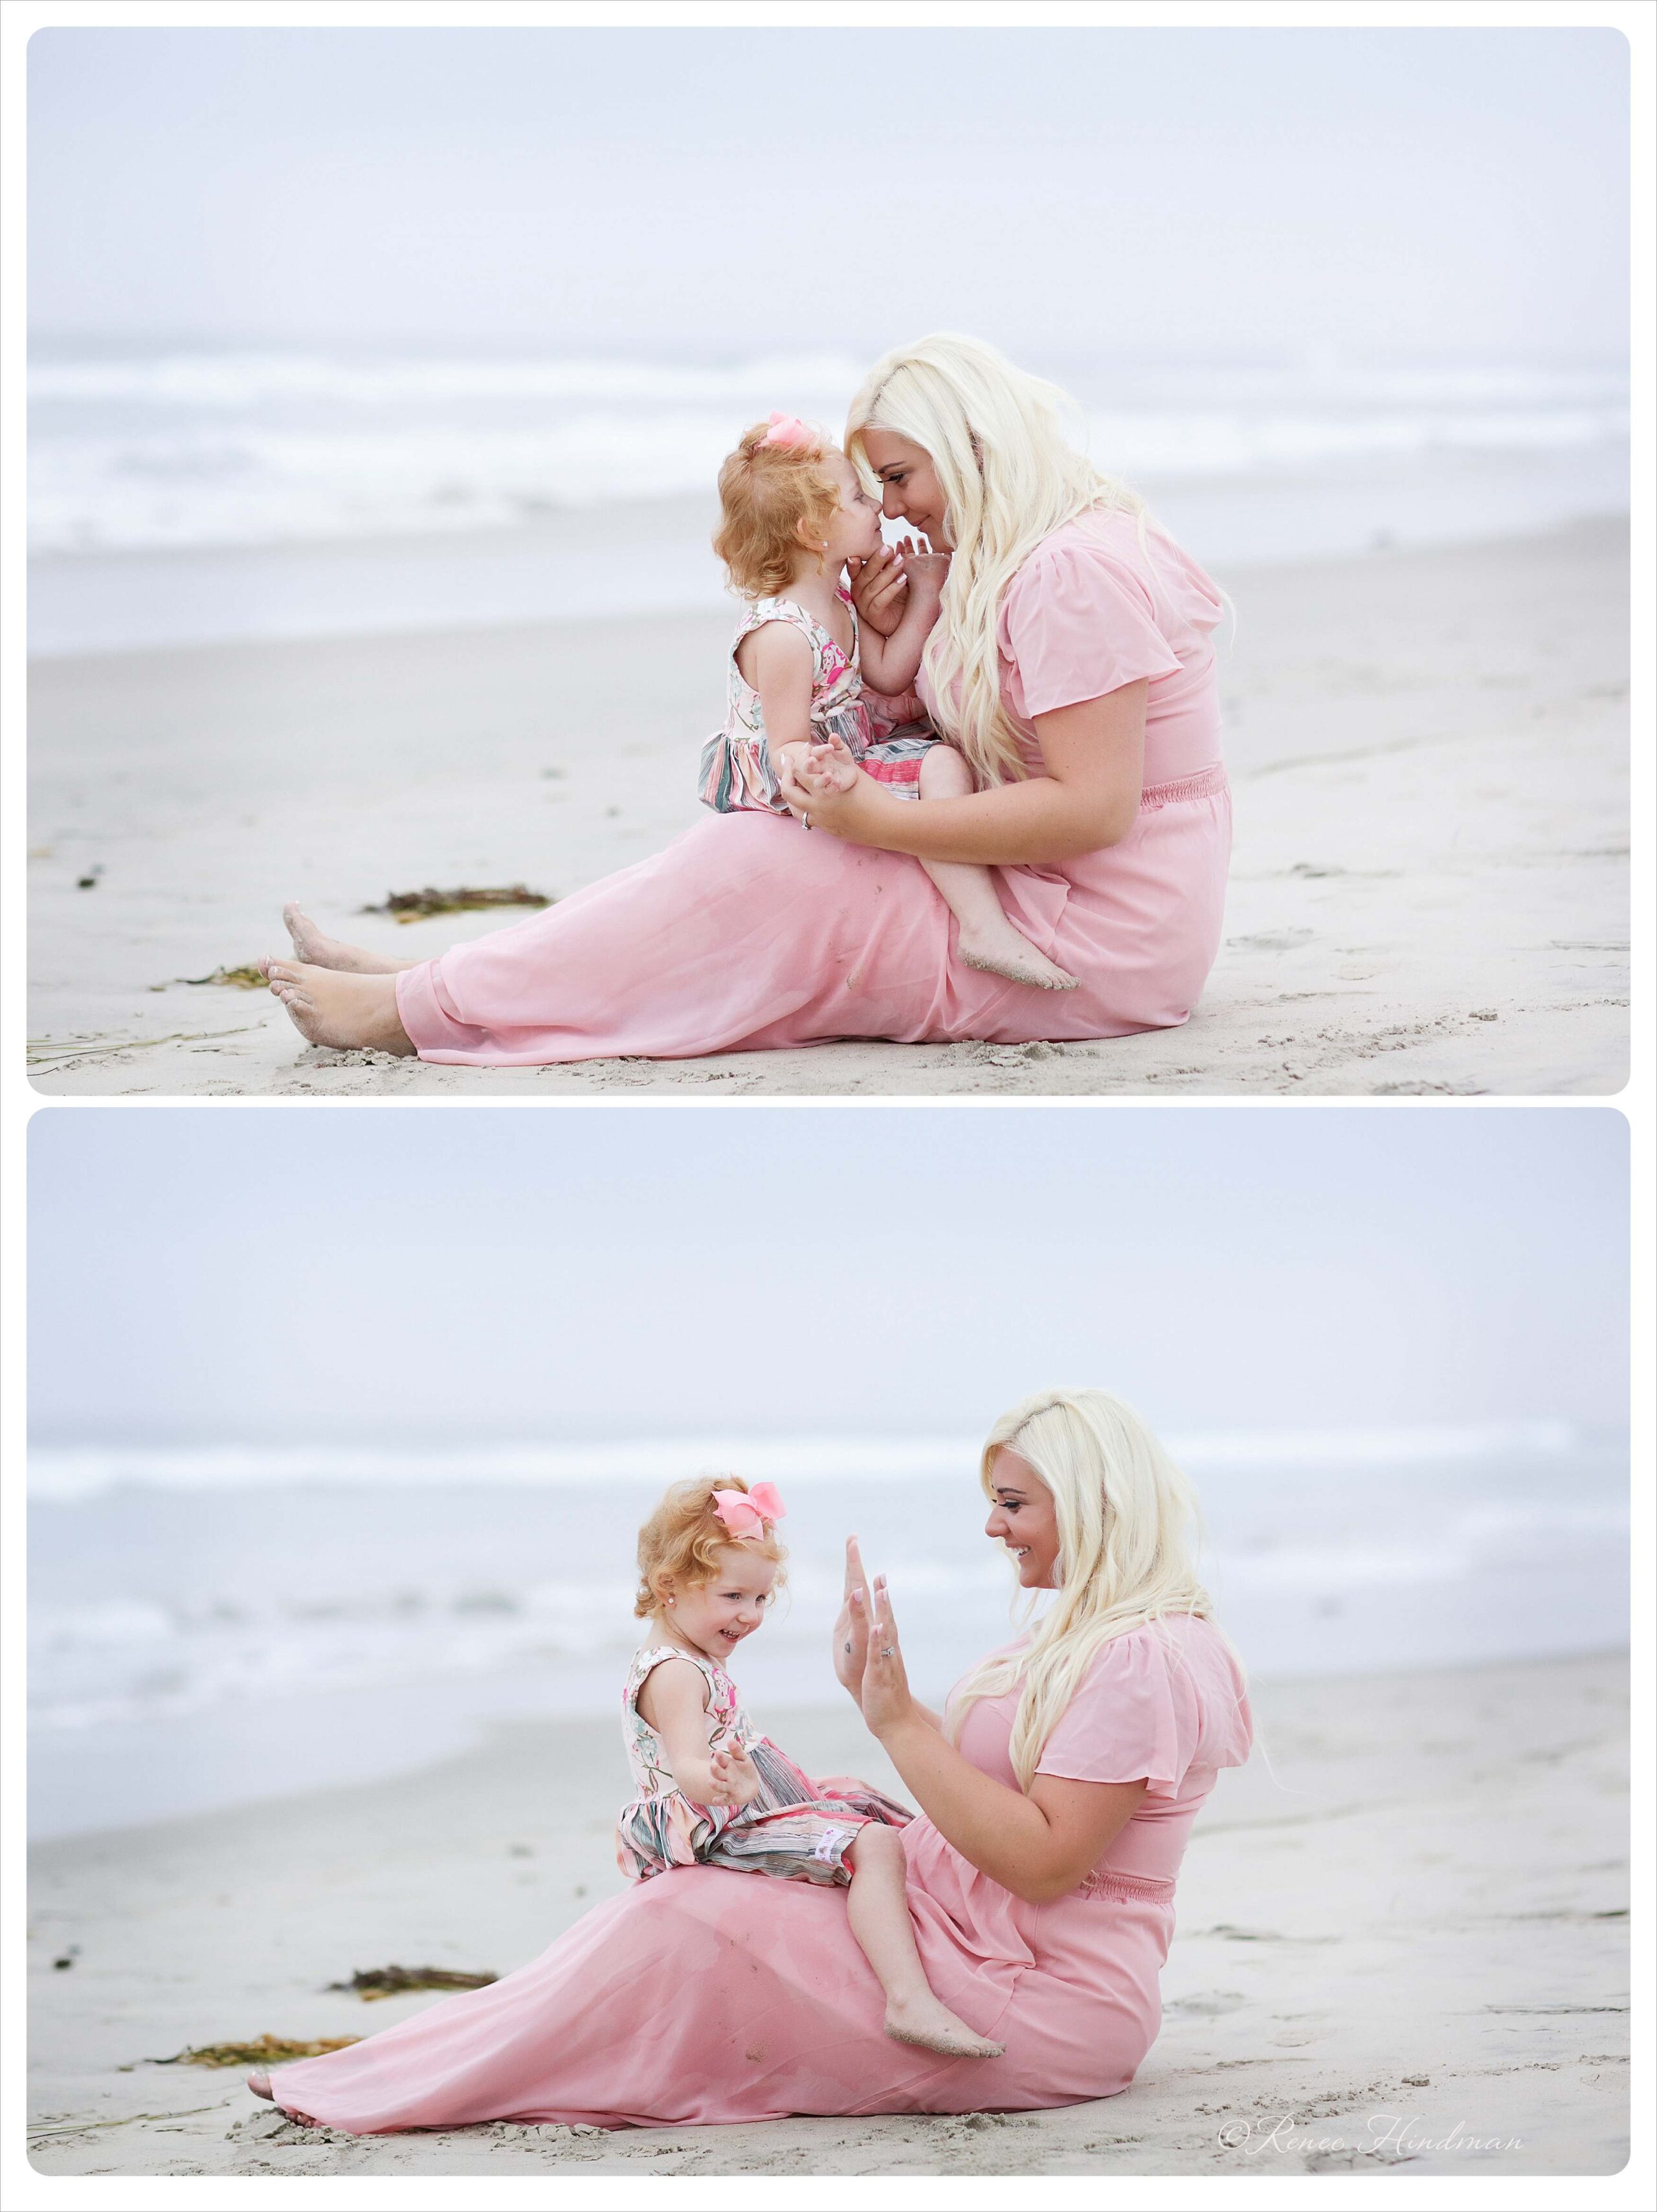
1458,1959
1429,751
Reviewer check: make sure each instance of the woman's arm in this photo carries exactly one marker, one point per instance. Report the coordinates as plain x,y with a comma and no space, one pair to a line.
1095,756
1038,1846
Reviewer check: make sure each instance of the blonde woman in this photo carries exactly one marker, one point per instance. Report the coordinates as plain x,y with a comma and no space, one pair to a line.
1072,666
1057,1793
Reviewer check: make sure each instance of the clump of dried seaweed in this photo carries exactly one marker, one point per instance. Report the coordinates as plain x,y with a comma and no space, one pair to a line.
470,898
248,978
392,1981
264,2051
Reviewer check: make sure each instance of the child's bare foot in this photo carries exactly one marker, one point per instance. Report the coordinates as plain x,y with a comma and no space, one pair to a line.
345,1012
310,945
924,2020
1005,952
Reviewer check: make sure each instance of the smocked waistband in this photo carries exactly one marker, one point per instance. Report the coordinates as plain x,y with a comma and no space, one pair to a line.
1126,1888
1207,783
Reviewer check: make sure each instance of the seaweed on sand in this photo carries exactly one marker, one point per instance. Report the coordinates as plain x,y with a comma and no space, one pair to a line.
264,2051
392,1981
248,978
469,898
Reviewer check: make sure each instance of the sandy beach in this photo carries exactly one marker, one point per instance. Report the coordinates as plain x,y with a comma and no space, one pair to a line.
1428,748
1402,1942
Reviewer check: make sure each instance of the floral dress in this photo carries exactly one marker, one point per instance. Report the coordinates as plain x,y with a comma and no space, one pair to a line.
795,1828
888,737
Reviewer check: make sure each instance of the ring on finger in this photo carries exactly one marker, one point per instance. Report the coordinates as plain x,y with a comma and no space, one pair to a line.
886,1651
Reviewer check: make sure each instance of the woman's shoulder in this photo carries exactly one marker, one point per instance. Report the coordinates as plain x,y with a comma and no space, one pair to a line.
1116,550
1163,1697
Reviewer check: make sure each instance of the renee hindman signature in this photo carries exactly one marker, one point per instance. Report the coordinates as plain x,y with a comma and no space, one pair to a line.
1400,2133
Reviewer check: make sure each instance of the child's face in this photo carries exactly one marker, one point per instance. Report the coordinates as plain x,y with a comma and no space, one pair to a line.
1023,1518
715,1616
854,534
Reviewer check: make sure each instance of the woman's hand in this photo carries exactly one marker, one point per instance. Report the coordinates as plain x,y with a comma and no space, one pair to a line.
855,814
886,1701
879,589
850,1648
736,1778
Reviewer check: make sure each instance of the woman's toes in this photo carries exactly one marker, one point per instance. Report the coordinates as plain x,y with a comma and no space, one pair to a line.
259,2083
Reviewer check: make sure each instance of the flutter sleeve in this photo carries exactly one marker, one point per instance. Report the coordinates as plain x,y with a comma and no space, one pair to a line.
1150,1710
1076,622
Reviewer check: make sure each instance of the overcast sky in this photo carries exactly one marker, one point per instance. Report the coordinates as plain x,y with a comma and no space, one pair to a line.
1392,192
214,1274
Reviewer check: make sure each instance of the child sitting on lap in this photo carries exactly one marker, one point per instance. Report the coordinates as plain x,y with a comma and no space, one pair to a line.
794,513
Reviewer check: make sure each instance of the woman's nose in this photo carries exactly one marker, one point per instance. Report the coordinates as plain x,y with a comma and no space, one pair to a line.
892,504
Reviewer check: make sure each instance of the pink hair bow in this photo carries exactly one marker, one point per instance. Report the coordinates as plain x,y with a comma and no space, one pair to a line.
745,1513
787,430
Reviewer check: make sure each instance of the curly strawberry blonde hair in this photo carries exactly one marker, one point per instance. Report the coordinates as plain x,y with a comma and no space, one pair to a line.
766,493
682,1541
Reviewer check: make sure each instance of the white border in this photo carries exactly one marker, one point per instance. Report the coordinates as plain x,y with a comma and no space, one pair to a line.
20,2186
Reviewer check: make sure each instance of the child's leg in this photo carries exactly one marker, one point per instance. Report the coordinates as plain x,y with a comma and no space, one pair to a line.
987,938
879,1913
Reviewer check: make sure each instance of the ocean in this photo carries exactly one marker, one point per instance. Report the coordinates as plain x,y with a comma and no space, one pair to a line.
190,496
209,1627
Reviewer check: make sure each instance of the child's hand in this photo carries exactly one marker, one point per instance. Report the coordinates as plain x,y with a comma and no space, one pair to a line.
923,568
736,1778
880,590
827,765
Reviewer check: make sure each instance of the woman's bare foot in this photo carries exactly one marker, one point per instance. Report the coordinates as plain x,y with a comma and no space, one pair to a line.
318,950
1005,951
924,2020
259,2083
346,1012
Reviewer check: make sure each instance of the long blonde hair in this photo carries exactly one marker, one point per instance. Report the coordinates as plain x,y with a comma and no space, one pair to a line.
1124,1511
1009,479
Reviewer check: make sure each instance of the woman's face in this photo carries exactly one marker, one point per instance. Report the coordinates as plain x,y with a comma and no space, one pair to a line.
911,492
1023,1518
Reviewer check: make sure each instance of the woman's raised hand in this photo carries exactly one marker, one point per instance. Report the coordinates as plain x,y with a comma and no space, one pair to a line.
886,1698
850,1648
879,589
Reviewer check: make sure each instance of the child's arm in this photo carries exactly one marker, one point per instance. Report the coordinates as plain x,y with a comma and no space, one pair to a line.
777,662
671,1697
891,664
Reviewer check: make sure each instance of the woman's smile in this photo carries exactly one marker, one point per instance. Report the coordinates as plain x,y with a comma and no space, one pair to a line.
1024,1520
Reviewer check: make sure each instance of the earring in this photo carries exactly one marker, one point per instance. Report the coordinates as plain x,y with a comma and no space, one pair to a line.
670,1600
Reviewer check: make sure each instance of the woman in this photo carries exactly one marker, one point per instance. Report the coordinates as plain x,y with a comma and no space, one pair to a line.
1056,1796
1072,662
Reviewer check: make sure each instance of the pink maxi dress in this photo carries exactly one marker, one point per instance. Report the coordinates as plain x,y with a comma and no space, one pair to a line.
750,931
705,1995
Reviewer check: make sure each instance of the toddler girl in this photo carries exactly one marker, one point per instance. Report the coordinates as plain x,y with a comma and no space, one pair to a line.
794,513
713,1791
